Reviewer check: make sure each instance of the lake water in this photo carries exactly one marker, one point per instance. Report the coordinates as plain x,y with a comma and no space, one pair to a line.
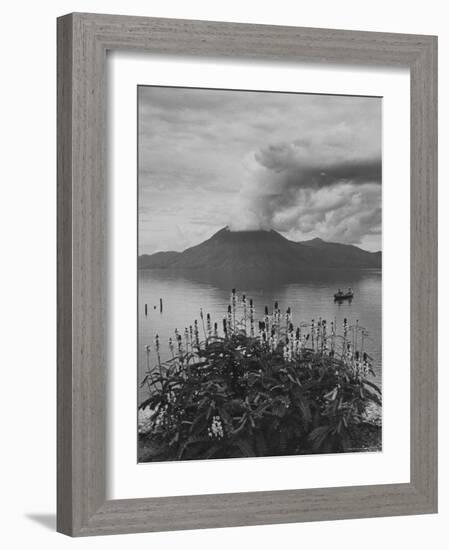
310,296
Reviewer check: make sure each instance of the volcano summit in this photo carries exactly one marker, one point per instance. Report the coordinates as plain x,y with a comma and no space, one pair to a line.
256,251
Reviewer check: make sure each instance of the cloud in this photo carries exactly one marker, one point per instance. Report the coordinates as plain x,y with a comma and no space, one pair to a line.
304,164
327,186
346,213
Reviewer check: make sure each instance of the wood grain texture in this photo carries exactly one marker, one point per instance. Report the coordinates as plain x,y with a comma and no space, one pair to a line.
64,277
83,40
423,275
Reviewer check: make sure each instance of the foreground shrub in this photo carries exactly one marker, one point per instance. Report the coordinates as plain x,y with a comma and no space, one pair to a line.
240,395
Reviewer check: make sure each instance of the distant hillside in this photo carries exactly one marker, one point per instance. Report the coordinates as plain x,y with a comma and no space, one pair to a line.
254,251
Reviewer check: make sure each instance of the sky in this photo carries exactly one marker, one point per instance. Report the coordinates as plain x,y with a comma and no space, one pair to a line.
306,165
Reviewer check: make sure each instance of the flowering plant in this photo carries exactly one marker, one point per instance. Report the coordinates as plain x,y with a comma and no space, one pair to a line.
285,390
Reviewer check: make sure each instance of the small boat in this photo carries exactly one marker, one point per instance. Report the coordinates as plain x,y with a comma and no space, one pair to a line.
339,296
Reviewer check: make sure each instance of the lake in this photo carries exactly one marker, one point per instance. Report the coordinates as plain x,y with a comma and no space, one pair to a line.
309,294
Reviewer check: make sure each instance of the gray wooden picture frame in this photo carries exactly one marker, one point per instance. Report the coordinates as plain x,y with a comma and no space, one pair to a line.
83,40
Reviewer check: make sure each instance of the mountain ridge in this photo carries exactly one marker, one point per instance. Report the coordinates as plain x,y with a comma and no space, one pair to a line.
252,251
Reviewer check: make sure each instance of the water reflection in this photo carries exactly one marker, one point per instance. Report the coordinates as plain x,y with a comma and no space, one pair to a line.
310,294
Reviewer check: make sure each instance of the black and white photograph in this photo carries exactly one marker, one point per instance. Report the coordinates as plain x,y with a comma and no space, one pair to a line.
259,274
220,307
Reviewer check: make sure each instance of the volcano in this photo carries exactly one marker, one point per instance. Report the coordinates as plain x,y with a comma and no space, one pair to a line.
261,251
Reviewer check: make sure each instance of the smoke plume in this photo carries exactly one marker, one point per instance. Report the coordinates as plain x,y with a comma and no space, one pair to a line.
311,189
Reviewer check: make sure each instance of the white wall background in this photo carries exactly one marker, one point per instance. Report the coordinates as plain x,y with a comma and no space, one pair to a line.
27,298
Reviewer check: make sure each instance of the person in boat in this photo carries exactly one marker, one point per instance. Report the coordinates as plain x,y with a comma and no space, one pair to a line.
349,290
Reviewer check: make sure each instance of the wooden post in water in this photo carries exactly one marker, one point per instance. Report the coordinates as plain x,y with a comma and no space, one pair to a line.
146,310
160,305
